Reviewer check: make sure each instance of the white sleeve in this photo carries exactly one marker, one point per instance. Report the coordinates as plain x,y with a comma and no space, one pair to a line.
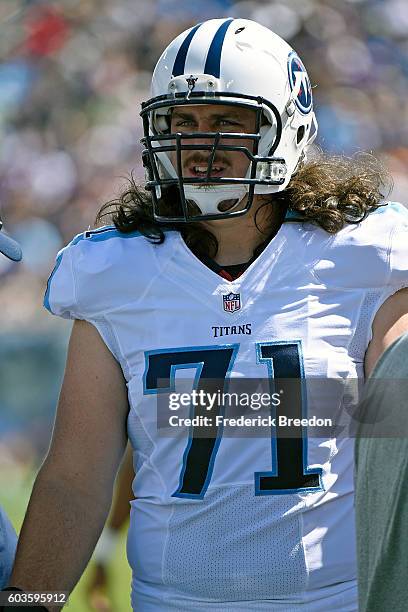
397,269
60,296
98,274
398,273
71,291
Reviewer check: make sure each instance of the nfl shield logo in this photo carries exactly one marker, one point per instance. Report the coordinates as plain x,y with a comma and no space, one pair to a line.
232,302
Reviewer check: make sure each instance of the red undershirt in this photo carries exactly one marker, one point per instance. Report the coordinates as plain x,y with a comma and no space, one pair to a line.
230,273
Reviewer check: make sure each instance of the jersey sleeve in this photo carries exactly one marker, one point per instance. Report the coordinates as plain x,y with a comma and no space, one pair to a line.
95,274
98,275
61,296
371,255
397,253
398,260
102,271
369,259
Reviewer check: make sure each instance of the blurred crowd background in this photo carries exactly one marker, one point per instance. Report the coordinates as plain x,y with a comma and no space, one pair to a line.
72,76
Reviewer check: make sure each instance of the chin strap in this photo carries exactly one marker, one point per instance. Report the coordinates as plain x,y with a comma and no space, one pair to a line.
209,197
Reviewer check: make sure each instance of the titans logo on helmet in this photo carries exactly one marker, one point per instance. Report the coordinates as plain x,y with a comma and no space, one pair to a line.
299,83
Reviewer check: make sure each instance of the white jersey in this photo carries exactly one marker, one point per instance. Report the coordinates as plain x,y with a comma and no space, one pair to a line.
237,523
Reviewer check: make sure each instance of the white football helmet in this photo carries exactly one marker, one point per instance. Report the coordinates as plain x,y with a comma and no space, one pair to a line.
230,62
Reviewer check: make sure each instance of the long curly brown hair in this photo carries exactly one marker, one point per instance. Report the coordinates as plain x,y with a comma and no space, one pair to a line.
328,190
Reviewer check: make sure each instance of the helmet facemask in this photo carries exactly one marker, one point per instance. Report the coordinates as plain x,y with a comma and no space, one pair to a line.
208,196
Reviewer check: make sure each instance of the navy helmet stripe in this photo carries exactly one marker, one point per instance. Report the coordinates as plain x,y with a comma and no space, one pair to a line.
180,61
213,62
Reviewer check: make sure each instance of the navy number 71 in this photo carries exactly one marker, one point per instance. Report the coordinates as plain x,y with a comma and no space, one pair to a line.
290,472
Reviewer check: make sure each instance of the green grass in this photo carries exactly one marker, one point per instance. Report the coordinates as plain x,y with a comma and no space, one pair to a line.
14,499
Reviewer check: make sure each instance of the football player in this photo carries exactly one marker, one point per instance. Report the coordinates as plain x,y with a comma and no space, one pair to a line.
8,537
243,260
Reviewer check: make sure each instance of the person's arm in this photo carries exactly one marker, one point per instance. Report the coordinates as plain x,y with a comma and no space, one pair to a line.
73,490
98,593
390,322
119,513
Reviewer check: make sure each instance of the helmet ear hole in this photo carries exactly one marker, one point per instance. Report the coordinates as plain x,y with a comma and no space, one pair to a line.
300,134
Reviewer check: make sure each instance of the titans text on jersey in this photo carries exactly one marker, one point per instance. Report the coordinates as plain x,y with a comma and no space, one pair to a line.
231,330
